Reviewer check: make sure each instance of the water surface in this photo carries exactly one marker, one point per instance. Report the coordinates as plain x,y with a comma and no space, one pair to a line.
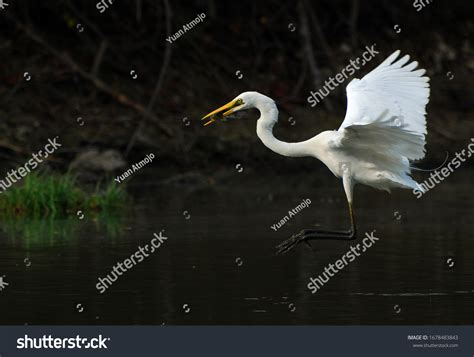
218,265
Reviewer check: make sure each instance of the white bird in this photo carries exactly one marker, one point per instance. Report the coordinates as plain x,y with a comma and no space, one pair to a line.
383,131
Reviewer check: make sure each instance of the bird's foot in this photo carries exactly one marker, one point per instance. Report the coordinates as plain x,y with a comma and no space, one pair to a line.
295,239
309,234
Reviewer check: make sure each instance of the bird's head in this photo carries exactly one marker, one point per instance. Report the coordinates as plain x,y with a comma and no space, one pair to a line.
243,101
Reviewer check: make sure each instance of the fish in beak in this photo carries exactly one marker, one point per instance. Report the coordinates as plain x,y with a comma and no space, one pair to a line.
222,112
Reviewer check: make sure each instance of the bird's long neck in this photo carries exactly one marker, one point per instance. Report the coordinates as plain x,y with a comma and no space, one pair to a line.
268,118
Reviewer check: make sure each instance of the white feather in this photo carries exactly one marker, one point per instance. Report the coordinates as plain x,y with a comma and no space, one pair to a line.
385,121
392,88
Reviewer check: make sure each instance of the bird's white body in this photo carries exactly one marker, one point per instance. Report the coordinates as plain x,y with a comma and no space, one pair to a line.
384,128
367,166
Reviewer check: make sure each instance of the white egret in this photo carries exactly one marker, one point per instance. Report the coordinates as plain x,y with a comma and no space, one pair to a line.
383,131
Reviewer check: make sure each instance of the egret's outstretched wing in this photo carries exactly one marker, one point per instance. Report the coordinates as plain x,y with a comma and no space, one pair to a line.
386,109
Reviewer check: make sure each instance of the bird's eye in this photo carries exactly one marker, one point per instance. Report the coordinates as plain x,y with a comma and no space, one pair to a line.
239,101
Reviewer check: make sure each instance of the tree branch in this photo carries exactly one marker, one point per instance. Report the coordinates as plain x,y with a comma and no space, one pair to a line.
118,96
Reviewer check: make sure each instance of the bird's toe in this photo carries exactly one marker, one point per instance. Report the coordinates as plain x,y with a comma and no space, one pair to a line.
294,240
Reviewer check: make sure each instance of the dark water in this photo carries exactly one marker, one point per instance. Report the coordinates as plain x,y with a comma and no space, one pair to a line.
220,263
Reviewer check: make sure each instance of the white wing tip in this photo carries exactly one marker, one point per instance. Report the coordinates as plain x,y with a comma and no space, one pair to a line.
394,56
390,59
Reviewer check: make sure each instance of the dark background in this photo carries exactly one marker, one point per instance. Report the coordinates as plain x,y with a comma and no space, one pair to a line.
87,74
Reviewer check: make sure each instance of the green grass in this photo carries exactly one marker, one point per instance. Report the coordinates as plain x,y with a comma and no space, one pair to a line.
41,195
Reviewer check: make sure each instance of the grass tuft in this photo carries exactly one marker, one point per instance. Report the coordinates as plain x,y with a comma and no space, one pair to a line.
42,195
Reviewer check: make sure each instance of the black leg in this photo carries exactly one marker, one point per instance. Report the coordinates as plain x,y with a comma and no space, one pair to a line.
309,234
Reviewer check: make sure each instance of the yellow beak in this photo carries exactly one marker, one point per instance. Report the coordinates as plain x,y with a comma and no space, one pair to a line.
224,111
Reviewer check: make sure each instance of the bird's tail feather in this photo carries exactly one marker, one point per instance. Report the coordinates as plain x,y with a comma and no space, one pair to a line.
429,170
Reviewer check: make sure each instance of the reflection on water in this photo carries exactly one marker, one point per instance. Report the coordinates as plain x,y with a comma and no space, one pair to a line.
218,265
50,231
